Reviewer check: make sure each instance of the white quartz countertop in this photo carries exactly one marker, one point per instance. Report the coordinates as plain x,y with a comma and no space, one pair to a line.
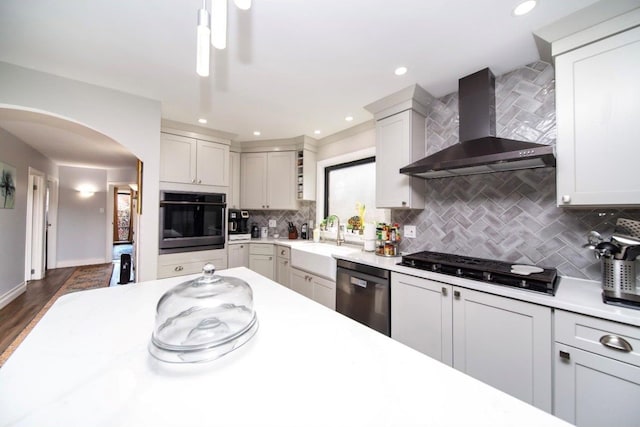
576,295
86,364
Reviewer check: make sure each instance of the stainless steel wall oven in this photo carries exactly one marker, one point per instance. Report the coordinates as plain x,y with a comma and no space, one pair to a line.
191,221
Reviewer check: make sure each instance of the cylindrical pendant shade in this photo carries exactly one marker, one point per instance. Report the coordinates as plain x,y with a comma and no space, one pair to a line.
219,23
202,49
243,4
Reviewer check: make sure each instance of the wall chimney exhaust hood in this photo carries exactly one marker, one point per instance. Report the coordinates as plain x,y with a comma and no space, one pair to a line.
480,151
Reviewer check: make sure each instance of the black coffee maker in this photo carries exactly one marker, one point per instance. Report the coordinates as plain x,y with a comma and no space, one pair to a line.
255,231
238,222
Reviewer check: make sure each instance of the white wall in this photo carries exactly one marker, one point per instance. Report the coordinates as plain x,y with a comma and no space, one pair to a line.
122,175
130,120
13,222
335,146
81,220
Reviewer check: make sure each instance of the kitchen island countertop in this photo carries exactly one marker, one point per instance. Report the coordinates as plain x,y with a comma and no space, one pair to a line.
86,363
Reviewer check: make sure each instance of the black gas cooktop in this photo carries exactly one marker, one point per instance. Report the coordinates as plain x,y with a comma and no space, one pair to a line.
486,270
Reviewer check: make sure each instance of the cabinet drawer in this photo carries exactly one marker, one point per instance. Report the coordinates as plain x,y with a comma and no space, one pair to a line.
261,249
181,269
598,336
283,252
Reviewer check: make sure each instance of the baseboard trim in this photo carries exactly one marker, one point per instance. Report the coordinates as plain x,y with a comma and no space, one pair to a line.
80,262
12,294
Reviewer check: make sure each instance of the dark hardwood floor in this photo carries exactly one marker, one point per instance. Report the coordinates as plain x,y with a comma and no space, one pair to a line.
19,312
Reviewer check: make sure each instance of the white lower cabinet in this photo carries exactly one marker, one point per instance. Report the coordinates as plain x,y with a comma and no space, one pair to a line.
238,255
597,371
315,287
262,259
503,342
179,264
421,316
283,265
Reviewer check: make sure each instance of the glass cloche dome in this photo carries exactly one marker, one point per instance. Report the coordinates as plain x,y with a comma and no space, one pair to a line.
203,319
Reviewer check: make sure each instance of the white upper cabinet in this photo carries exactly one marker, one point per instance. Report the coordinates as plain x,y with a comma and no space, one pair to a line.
598,108
268,180
400,141
193,161
233,201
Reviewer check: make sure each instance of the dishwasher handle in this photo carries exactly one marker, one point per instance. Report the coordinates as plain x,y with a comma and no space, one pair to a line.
358,282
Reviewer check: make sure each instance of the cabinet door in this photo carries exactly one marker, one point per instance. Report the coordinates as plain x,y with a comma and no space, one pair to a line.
238,255
421,316
212,164
598,99
253,184
234,183
400,140
263,264
505,343
283,271
177,159
324,291
281,180
593,390
301,283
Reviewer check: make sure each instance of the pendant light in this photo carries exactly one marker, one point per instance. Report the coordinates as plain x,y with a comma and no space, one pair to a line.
219,23
217,31
202,50
243,4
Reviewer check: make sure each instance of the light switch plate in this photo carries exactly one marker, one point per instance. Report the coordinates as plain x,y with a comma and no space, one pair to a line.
410,231
272,223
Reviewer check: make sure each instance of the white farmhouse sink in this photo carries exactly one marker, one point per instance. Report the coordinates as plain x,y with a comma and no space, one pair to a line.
317,258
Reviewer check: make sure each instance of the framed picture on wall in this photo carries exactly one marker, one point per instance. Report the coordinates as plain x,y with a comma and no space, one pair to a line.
139,204
7,186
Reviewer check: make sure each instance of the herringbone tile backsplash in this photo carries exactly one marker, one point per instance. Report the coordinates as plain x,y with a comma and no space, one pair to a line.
510,216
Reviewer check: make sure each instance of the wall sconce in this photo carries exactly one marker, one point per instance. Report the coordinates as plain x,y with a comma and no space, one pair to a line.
86,191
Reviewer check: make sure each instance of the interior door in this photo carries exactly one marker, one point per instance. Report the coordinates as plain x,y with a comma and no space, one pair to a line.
51,223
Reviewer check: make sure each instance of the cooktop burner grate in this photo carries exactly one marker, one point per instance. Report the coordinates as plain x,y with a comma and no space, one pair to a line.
491,271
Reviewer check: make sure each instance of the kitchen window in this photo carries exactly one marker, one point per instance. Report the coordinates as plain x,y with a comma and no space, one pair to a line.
347,184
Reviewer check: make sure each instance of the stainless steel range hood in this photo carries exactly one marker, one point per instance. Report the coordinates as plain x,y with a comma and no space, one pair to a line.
480,151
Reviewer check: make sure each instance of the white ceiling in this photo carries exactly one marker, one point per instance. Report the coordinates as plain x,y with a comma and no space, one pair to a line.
291,66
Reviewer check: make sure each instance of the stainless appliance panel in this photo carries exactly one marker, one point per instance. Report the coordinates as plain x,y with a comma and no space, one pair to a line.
191,221
363,294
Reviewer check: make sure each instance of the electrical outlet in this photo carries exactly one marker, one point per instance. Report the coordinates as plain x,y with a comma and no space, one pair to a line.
272,223
410,231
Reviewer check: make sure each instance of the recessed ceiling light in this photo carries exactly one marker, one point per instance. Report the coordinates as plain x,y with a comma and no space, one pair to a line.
317,132
524,7
203,121
400,71
349,118
256,132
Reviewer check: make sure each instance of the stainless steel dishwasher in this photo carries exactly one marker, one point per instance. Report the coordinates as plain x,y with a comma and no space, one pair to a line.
363,294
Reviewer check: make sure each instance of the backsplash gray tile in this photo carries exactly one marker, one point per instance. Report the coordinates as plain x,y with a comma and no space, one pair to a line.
511,216
306,213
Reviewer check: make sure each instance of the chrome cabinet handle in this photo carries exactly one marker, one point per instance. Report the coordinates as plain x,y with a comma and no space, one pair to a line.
565,355
178,268
270,258
199,181
286,262
282,252
456,294
444,291
566,198
617,343
241,246
193,181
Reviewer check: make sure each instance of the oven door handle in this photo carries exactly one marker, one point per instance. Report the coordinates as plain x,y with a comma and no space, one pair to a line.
165,203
